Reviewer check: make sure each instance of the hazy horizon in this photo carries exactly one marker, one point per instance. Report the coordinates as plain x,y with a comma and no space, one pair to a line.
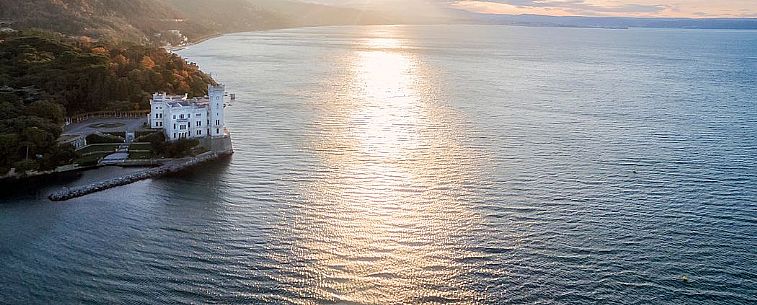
698,9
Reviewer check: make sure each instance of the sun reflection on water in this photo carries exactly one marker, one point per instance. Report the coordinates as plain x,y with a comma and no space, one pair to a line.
391,112
386,214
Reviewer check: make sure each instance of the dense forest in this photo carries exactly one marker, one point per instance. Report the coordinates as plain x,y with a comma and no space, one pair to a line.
85,76
45,77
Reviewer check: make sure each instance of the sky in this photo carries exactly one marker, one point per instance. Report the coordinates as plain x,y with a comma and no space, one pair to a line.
626,8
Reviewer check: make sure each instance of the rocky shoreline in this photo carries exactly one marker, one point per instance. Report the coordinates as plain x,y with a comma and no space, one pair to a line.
167,168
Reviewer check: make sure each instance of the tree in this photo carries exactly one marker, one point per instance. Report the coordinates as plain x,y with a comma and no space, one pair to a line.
8,149
100,51
147,62
120,60
48,110
37,138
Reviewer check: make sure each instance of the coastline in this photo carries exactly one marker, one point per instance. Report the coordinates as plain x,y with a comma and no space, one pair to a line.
202,39
216,35
60,170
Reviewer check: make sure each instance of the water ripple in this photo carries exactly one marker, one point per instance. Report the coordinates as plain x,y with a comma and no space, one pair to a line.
432,165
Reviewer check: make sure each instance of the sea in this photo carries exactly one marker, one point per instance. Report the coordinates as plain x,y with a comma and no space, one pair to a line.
439,164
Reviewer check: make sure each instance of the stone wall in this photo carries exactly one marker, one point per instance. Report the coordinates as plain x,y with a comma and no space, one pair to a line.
168,168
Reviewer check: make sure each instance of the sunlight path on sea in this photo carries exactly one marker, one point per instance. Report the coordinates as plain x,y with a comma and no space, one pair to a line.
386,215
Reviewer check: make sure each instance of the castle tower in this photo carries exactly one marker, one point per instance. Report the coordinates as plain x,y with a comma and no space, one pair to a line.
216,125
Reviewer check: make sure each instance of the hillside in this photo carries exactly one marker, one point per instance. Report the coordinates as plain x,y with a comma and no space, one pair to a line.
144,20
128,20
247,15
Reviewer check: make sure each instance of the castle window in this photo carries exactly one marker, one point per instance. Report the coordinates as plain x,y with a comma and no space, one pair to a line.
199,123
174,116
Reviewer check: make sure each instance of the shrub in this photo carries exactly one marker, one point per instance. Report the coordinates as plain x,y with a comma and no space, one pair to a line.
103,139
179,148
151,136
157,141
142,133
59,155
47,110
25,165
120,134
90,160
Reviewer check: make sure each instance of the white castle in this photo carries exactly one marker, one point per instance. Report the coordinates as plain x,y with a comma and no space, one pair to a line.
183,118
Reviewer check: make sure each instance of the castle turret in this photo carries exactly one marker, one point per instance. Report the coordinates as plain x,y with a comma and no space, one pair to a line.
156,111
216,95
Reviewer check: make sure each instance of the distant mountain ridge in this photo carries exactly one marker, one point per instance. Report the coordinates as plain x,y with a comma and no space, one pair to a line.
610,22
141,20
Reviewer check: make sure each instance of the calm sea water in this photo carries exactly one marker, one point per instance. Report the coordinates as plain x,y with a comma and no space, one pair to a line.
432,165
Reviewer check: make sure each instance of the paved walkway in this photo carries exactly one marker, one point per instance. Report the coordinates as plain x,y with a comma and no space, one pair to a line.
104,125
121,154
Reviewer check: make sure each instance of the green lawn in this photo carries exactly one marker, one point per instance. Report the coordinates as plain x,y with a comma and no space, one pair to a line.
140,155
140,146
90,154
141,151
91,159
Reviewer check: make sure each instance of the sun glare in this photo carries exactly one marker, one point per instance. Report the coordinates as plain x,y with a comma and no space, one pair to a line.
378,140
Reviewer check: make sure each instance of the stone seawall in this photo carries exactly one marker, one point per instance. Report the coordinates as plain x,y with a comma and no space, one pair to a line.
168,168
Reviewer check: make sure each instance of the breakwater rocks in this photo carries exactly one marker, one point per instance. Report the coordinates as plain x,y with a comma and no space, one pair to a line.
167,168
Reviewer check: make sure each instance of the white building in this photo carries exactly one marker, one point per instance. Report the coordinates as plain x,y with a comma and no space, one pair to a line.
183,118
